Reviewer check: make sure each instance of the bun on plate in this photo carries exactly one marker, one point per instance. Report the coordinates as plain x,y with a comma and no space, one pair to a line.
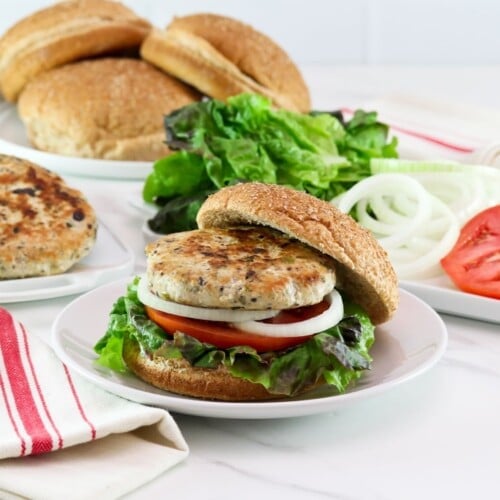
275,294
109,108
178,376
46,227
62,33
221,57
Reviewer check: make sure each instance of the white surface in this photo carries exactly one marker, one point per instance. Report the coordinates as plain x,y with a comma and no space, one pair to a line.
407,346
14,141
434,437
108,260
143,207
338,32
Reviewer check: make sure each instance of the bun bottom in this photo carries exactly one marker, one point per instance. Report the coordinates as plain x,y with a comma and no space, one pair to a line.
178,376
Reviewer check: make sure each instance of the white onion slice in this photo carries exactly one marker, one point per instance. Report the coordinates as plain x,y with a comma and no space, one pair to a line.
425,262
382,184
328,318
416,214
415,227
205,313
465,193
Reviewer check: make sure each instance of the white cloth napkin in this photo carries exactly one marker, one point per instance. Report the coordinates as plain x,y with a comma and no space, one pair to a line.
432,130
62,437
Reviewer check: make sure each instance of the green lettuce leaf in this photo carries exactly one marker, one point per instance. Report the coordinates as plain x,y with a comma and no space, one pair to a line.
366,138
180,174
246,139
178,214
339,354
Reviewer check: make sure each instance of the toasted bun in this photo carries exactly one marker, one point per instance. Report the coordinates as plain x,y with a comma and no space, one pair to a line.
108,108
363,269
222,57
63,33
178,376
46,225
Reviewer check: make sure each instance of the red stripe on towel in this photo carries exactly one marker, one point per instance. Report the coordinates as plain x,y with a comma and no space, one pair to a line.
11,418
79,404
424,137
21,390
39,390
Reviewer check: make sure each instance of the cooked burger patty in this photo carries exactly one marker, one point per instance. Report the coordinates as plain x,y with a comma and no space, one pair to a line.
45,226
250,268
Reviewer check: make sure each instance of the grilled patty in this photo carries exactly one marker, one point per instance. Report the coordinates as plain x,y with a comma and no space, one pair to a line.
45,226
250,268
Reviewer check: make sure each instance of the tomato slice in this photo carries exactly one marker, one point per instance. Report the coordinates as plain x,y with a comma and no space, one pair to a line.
222,335
473,264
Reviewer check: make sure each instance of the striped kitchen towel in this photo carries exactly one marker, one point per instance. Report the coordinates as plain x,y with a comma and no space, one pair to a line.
437,130
62,437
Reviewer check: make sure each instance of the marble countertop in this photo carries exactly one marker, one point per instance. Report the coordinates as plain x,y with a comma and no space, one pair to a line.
435,436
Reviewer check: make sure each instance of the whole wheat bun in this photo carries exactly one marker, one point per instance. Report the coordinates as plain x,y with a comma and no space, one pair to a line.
63,33
221,57
110,108
178,376
362,266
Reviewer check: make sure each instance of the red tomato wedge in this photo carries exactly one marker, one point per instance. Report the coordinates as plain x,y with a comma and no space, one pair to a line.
473,264
222,335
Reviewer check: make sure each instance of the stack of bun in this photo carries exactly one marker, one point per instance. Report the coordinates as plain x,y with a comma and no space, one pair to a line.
221,57
92,79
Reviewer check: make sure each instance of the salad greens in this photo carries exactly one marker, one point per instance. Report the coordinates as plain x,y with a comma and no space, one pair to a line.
217,144
339,354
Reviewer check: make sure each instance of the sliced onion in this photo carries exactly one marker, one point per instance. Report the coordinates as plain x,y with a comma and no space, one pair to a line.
415,227
425,261
205,313
328,318
388,184
416,214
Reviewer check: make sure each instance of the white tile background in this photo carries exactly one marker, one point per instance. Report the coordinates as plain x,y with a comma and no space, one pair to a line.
409,32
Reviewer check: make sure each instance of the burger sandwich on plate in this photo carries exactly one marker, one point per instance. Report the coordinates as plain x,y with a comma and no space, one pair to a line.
275,294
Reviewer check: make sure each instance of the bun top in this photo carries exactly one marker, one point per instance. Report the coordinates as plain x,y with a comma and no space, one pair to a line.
363,269
62,33
222,56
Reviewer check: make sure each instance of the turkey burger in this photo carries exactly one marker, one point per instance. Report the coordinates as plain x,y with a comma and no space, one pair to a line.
276,293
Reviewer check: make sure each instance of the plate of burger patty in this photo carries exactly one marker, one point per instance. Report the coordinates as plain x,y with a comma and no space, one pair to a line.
278,305
108,260
51,241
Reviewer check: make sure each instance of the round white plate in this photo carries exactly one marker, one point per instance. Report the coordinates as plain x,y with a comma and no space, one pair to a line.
405,347
109,260
14,141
